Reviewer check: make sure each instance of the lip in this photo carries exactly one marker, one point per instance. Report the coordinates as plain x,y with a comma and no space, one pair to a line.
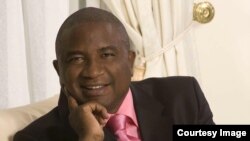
94,90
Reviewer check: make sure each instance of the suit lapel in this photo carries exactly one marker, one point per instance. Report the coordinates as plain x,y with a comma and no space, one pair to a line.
152,121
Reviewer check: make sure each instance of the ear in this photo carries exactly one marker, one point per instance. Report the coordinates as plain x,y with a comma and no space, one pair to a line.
131,58
55,64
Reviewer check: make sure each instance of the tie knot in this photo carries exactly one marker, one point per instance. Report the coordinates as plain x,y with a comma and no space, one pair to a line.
117,122
123,128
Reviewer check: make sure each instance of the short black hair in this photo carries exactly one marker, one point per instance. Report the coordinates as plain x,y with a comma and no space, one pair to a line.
89,14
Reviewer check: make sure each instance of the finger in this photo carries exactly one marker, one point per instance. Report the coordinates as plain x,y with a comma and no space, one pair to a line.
101,110
72,103
102,121
66,92
100,113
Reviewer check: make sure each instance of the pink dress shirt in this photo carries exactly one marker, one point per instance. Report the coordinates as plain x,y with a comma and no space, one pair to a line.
127,108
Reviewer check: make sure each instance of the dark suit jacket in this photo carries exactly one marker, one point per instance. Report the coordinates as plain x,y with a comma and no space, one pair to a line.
159,103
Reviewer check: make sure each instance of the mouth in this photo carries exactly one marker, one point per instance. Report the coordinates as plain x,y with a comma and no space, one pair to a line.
95,87
94,90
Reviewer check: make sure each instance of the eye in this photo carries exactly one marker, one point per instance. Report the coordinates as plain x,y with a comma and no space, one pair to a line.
108,54
76,60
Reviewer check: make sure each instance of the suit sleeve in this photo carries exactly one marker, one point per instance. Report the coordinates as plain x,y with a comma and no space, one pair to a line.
205,115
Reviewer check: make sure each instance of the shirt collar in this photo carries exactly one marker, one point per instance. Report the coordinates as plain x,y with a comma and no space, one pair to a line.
127,107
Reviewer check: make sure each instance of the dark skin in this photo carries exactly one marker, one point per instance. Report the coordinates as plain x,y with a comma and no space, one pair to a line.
95,69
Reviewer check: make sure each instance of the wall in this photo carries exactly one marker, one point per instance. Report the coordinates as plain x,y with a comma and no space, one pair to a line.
224,53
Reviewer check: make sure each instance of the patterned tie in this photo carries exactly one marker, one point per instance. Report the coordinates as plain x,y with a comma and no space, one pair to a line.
118,125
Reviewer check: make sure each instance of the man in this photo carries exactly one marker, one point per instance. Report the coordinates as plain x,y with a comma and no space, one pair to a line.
94,64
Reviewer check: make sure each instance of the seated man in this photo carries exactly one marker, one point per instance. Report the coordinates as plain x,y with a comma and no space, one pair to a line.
98,101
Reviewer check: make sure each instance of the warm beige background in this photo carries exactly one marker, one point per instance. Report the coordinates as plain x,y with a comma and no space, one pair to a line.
224,55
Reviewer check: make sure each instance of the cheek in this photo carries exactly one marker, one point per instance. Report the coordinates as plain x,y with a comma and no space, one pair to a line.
123,72
71,74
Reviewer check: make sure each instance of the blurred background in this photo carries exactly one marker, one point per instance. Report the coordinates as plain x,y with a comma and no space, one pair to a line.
167,41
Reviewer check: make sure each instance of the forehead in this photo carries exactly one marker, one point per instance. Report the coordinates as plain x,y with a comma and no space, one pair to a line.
92,35
90,29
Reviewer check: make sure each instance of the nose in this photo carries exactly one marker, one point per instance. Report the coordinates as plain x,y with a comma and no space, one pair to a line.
92,69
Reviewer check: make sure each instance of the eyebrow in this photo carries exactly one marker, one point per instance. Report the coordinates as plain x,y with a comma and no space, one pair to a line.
102,49
70,53
110,47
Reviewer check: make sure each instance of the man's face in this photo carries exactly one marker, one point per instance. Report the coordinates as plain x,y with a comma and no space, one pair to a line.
95,64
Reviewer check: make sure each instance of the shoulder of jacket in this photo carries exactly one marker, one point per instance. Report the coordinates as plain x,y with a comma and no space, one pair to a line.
170,79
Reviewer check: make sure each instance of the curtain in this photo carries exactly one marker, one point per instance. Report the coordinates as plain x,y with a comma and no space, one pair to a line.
161,33
28,30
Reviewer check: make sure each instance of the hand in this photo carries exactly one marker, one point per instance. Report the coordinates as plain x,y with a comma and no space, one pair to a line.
87,119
